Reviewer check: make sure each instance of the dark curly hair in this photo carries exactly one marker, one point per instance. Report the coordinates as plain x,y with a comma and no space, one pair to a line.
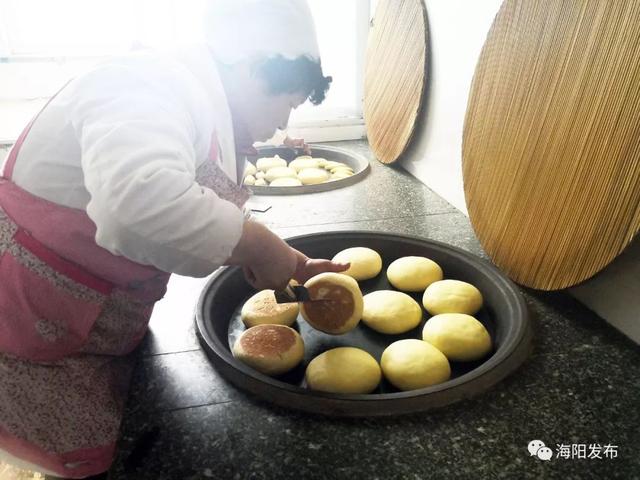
301,75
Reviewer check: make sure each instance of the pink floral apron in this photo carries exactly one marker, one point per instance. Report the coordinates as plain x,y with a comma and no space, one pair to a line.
70,312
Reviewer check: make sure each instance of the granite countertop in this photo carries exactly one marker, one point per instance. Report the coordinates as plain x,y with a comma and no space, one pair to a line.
581,385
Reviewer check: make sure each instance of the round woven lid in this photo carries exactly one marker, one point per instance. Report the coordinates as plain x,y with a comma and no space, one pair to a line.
395,75
551,146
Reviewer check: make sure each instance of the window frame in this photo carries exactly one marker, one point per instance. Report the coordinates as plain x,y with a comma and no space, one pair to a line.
343,127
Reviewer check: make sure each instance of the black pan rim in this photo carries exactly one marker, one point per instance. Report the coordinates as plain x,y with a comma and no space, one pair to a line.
517,345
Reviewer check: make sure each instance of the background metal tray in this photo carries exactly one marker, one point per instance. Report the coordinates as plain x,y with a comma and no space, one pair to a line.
358,163
504,315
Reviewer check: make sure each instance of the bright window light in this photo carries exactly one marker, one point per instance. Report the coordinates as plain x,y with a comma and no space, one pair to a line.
65,31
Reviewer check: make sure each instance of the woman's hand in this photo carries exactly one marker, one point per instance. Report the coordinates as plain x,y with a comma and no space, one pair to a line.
268,262
310,267
297,143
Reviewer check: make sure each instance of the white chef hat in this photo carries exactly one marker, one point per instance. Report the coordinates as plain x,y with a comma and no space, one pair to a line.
239,29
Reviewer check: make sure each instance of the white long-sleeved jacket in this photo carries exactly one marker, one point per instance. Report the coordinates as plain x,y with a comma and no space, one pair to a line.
124,142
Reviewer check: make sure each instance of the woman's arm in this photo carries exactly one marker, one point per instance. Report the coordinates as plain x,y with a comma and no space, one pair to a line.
268,262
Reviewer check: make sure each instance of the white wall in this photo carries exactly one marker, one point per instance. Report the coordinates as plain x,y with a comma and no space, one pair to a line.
458,30
614,293
14,116
25,88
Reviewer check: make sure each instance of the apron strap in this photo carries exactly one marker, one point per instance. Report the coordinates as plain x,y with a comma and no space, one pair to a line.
214,177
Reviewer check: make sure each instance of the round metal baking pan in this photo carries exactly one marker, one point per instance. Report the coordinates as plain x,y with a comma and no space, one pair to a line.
358,163
504,314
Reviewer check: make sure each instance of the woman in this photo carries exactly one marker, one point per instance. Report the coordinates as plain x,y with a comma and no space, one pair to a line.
127,175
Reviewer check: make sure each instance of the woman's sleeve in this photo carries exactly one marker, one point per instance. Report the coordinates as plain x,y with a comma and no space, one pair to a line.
139,162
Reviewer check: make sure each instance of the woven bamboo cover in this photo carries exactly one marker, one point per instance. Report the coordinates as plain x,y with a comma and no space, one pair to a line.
395,75
551,146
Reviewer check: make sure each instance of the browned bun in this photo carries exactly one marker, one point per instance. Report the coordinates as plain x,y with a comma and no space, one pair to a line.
270,349
340,308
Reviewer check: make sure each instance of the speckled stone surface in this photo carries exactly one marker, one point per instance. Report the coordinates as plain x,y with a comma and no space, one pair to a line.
173,381
581,385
